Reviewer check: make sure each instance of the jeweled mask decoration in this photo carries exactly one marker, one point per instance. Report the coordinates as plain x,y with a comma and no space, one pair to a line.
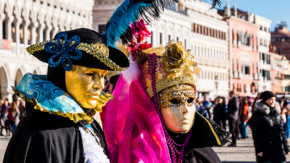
176,96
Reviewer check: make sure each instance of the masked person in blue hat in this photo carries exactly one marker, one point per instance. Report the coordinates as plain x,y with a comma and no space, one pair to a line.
59,126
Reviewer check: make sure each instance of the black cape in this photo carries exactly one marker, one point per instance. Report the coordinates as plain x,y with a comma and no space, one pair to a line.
44,138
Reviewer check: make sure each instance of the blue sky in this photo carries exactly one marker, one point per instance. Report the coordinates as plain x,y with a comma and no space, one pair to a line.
275,10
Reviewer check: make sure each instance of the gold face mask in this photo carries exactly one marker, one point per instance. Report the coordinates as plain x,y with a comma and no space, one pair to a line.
85,84
178,108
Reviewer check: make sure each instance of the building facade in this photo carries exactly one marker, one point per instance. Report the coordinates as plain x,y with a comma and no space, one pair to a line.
281,39
276,73
286,75
243,47
26,22
198,28
265,57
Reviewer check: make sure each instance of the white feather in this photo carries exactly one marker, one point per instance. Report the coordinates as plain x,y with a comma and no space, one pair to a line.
133,72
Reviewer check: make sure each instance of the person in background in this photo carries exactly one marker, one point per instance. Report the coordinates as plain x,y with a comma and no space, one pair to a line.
233,114
13,113
254,103
197,104
112,83
22,110
0,115
250,102
219,112
202,111
282,101
286,118
267,129
207,105
244,117
226,102
4,113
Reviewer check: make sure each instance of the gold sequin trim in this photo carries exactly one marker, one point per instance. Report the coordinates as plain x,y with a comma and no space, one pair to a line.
168,82
99,51
182,93
102,101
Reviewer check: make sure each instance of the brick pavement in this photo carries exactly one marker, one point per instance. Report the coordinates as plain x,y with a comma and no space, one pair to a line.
3,144
243,153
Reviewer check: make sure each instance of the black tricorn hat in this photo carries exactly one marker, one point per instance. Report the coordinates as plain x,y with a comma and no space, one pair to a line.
80,47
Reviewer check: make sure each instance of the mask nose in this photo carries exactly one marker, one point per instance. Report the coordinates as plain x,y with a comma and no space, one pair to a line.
184,109
99,82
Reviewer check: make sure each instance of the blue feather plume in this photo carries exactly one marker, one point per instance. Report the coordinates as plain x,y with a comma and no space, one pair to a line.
130,11
120,21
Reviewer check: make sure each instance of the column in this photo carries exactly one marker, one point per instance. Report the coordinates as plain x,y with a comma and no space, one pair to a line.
8,22
166,33
182,36
40,31
25,32
17,23
2,17
47,32
33,27
157,35
55,30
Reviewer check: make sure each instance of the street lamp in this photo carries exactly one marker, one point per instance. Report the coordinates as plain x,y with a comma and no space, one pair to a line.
216,84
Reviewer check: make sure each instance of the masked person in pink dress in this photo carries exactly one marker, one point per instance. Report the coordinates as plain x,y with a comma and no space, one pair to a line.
153,116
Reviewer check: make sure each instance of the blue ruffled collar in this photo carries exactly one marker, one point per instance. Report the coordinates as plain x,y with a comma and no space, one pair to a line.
47,97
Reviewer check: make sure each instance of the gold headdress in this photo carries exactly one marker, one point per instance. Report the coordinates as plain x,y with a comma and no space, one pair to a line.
174,65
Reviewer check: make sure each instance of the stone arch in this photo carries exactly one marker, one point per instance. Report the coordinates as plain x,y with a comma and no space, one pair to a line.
4,82
34,72
18,76
2,5
8,8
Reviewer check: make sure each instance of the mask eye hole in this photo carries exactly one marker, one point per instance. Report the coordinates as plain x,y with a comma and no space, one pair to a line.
190,100
90,74
174,101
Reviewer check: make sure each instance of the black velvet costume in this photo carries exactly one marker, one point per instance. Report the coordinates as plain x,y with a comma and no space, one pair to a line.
45,138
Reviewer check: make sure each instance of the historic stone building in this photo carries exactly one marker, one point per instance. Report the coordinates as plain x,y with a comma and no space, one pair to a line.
280,38
198,28
25,22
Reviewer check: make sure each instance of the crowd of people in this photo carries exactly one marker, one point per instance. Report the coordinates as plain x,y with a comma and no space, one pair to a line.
11,114
267,116
237,111
234,110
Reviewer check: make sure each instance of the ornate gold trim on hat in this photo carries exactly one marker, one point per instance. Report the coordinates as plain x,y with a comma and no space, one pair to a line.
175,65
99,51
